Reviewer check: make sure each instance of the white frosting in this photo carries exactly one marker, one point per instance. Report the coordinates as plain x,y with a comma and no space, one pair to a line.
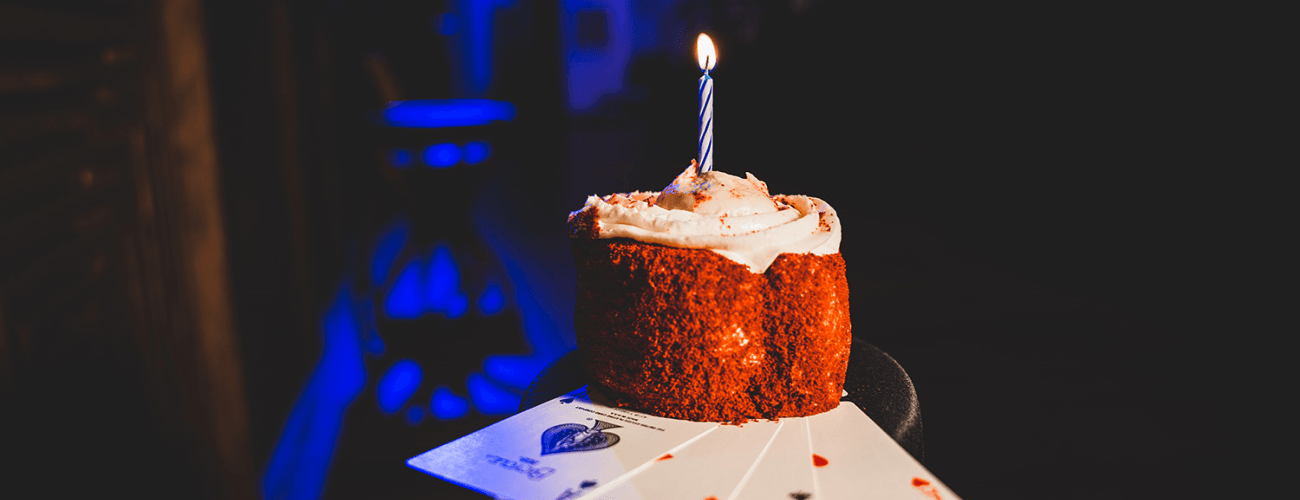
734,217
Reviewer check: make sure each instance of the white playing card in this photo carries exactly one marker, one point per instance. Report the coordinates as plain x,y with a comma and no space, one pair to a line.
856,459
784,471
561,449
708,467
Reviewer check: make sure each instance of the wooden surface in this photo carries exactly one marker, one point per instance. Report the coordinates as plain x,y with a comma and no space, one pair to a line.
116,330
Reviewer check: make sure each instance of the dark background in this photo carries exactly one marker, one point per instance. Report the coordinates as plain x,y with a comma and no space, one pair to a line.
1034,197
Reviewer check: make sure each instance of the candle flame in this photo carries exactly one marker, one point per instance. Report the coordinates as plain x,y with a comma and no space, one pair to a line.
705,52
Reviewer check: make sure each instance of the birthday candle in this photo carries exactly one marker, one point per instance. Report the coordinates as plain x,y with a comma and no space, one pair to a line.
707,57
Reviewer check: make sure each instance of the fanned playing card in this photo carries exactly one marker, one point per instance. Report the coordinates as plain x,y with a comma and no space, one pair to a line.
708,467
855,459
785,469
578,445
561,449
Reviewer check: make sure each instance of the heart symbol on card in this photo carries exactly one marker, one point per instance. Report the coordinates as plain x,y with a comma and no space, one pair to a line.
565,438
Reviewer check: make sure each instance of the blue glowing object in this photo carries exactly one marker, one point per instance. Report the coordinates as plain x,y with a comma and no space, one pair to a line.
418,290
341,367
406,297
489,398
302,455
446,405
476,152
457,306
443,280
440,113
492,301
442,155
399,158
397,386
390,245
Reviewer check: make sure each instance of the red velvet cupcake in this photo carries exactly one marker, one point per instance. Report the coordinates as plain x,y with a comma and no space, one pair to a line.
712,300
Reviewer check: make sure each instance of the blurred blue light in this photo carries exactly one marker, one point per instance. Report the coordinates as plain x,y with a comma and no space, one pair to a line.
399,158
489,398
414,415
442,155
371,342
492,301
341,370
439,113
443,280
446,405
599,43
406,299
540,328
390,245
472,49
476,152
302,455
397,386
457,306
514,371
532,284
447,24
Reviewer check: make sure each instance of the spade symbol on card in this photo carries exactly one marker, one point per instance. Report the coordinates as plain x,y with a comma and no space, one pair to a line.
565,438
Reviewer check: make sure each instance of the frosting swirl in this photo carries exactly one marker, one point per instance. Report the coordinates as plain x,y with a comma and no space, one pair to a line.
734,217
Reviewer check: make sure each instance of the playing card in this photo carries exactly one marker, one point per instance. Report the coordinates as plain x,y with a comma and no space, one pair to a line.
561,449
855,459
708,467
784,470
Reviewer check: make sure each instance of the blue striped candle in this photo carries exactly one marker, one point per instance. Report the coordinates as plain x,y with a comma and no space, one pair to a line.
707,57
